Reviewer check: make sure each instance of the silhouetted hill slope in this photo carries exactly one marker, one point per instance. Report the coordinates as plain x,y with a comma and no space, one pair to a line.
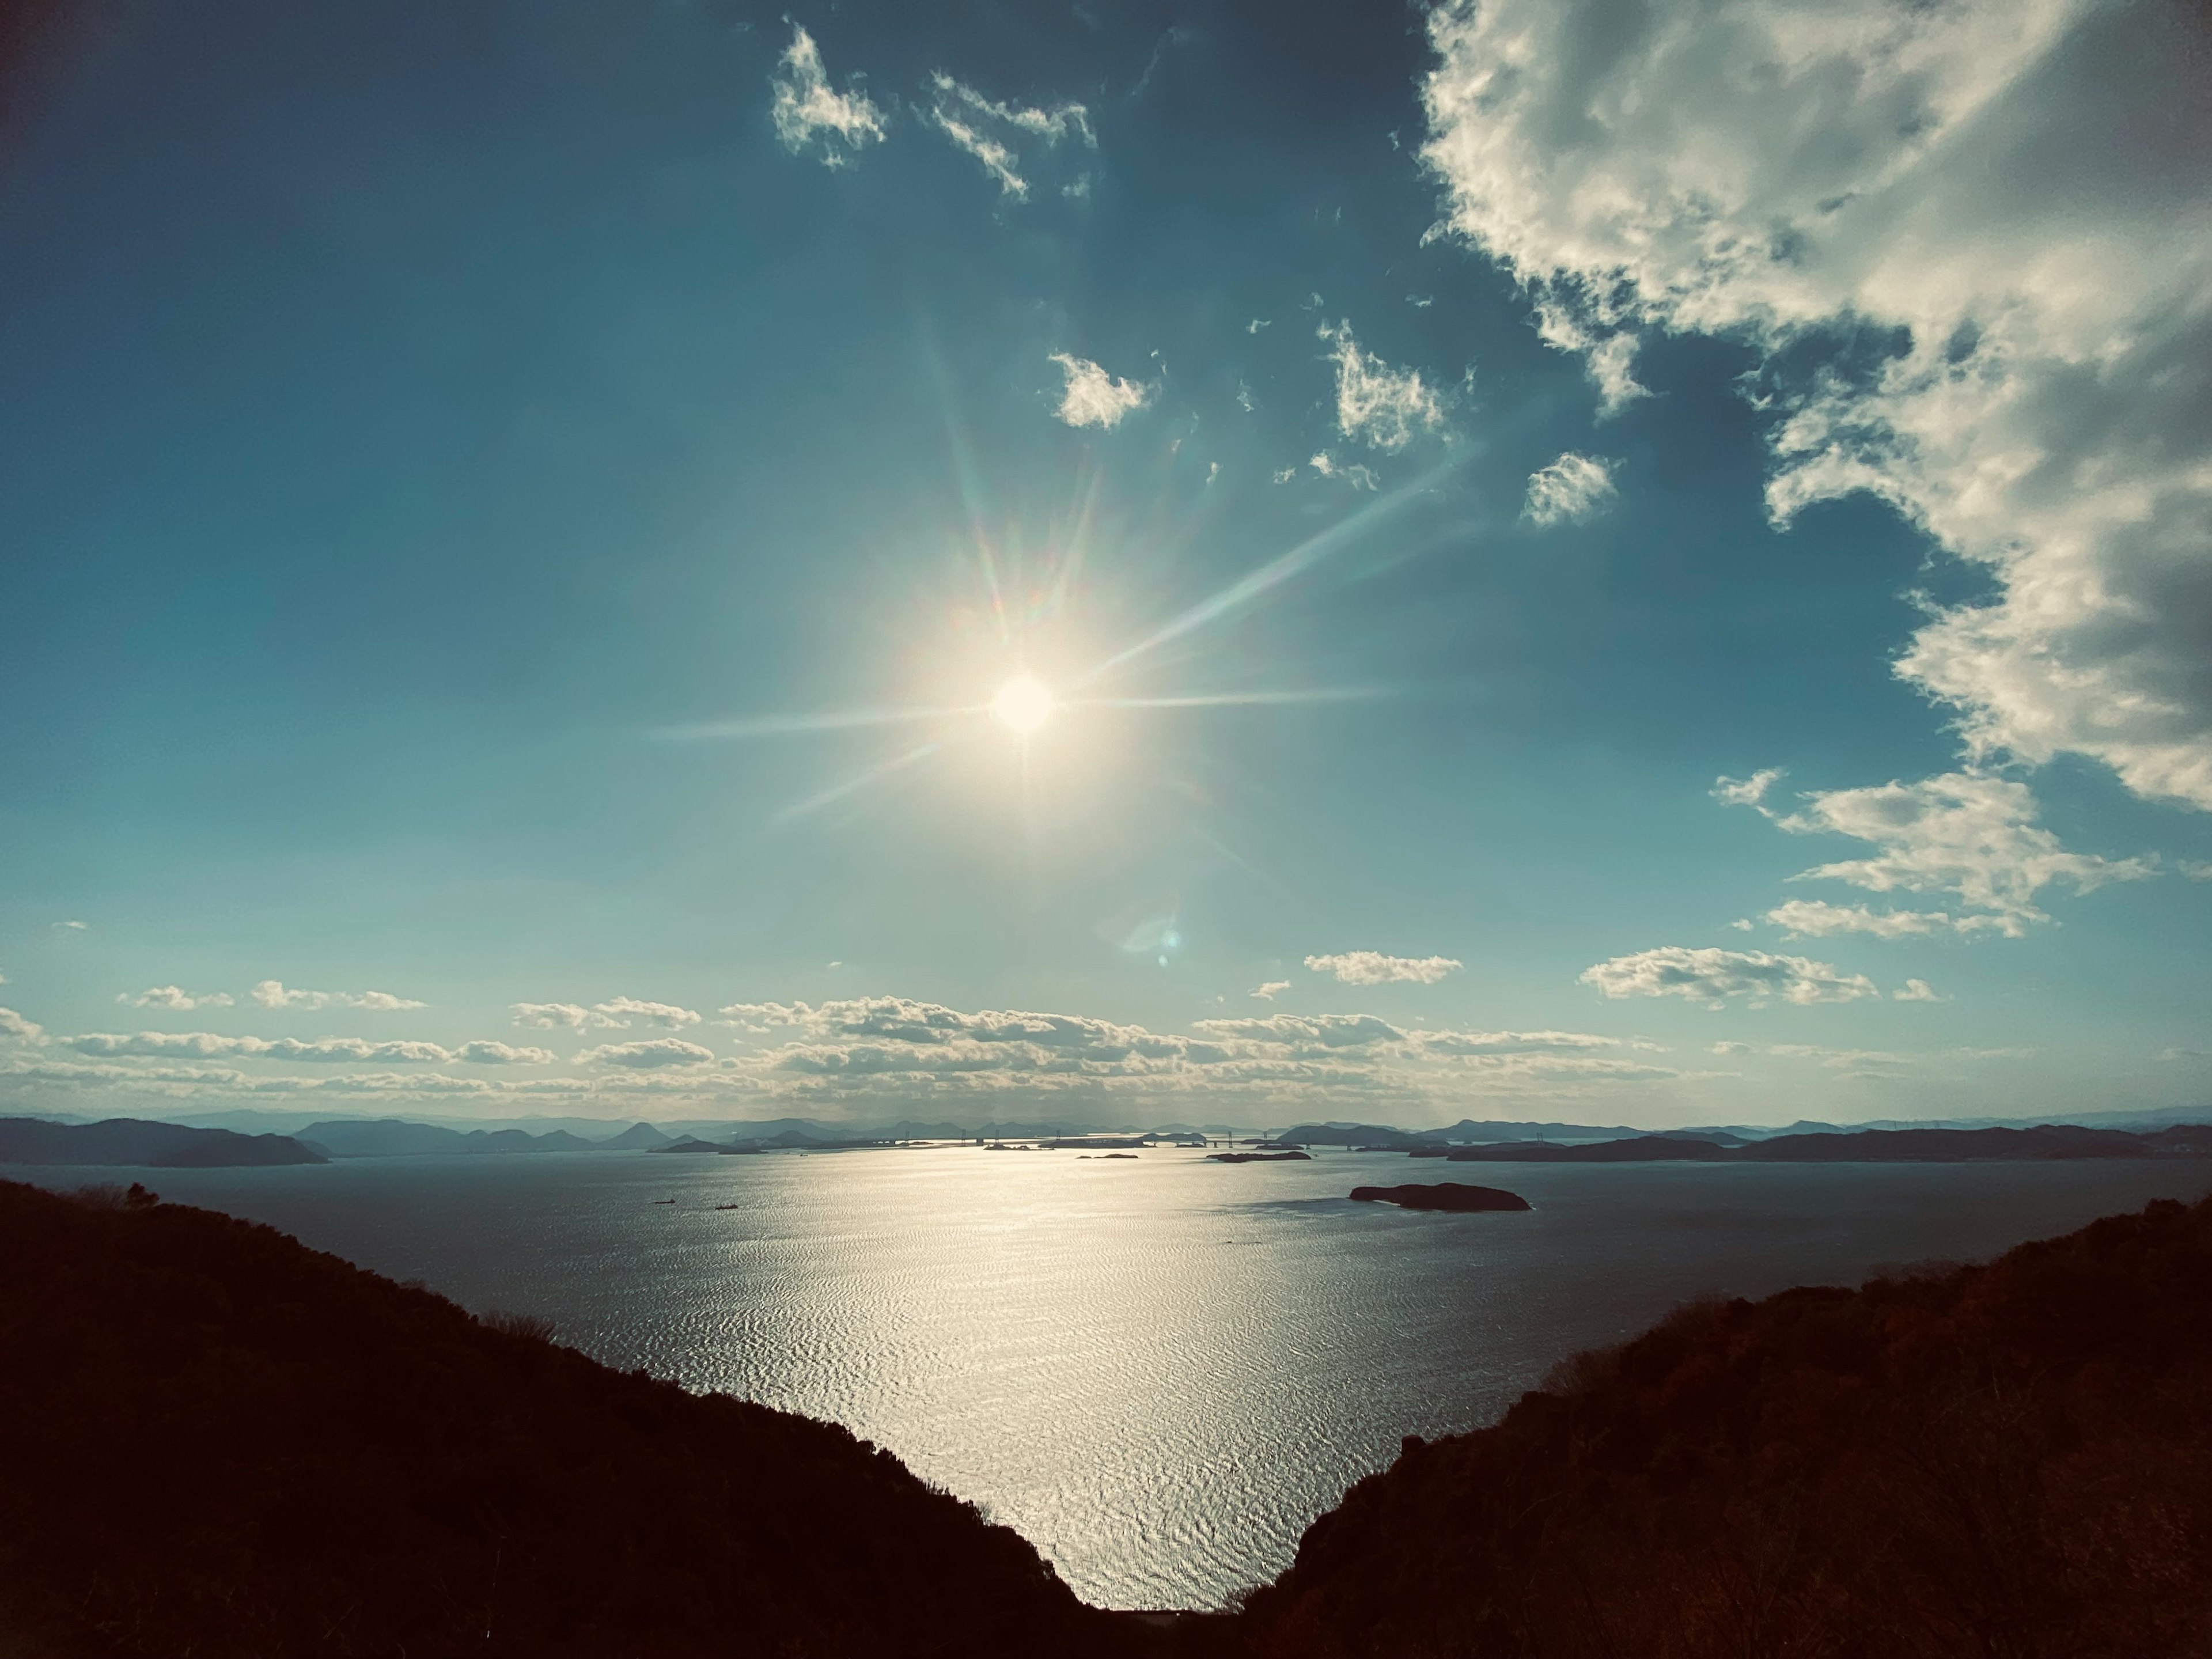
216,1441
132,1141
2013,1460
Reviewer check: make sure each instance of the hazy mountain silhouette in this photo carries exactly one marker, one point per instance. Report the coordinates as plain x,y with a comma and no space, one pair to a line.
135,1141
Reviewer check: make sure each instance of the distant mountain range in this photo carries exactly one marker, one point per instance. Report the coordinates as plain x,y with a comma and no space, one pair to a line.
135,1142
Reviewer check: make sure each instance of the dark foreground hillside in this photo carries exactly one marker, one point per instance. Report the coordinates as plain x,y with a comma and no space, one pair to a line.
2010,1462
214,1442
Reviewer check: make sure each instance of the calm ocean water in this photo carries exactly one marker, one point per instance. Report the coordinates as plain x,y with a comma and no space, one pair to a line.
1157,1369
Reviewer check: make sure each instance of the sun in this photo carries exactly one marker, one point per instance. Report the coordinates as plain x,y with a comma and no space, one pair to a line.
1023,704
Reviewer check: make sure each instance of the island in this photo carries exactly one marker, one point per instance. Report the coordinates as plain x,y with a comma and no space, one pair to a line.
1259,1158
136,1141
1444,1195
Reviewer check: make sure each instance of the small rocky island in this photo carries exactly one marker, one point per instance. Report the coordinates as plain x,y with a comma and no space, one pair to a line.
1444,1195
1258,1157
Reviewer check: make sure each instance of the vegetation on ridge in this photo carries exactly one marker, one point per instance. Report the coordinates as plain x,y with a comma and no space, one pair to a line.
216,1441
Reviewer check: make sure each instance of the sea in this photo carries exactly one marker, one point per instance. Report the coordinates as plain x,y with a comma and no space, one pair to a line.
1157,1369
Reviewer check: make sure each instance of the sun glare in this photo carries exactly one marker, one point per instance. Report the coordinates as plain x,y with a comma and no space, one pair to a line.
1023,704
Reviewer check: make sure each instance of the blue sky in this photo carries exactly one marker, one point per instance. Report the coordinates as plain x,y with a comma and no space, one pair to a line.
525,517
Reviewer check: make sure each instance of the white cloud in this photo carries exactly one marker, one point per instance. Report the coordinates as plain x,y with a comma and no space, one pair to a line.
1573,489
968,119
1707,975
806,108
1284,475
614,1014
1268,991
13,1024
653,1013
650,1054
1917,990
1967,834
1093,397
2015,190
1818,919
1358,477
555,1016
2195,872
271,993
1382,407
207,1045
485,1052
1373,967
72,927
175,999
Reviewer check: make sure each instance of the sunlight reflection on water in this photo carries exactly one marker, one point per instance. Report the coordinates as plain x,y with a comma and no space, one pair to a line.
1157,1369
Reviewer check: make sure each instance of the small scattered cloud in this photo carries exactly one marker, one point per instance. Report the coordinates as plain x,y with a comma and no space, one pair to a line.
652,1055
2193,870
485,1052
1917,990
1271,990
72,927
970,120
1573,489
621,1010
1373,967
1818,919
175,999
1358,477
272,994
208,1044
1259,323
13,1024
1382,407
1094,397
1712,975
1284,475
811,114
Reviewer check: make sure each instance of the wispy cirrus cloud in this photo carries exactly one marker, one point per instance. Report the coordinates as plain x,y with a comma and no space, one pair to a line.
988,130
1573,489
812,116
1377,405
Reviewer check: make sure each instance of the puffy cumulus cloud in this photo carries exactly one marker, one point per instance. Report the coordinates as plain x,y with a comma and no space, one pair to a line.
1094,397
619,1010
1382,407
614,1014
13,1024
2004,199
1271,990
1301,1030
1573,489
322,1050
272,994
987,129
485,1052
810,114
1967,834
1373,967
1710,975
1300,1061
1818,919
652,1055
1917,990
175,1000
1512,1042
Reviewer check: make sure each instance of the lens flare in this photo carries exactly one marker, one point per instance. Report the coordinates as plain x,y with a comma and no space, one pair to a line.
1023,704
